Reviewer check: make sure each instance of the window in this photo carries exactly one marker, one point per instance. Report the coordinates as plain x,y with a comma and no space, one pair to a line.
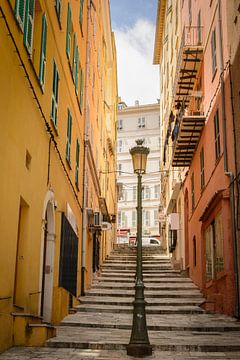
192,189
202,169
119,169
213,236
147,218
75,63
134,218
194,251
69,136
134,193
120,146
141,122
55,84
156,191
122,220
81,12
156,221
120,124
58,8
214,52
199,27
42,69
217,135
146,194
69,31
190,12
77,163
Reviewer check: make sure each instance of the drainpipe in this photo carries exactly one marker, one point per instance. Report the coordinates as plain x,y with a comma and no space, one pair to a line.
85,180
227,173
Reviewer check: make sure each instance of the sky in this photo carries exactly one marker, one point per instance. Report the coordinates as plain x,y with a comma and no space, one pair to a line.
133,22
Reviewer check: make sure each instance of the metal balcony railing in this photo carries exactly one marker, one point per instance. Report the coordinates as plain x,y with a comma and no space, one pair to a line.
188,63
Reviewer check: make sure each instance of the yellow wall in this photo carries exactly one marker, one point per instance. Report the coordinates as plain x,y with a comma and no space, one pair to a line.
36,179
23,129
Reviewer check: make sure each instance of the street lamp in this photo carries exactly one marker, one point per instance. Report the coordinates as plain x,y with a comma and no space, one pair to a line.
139,344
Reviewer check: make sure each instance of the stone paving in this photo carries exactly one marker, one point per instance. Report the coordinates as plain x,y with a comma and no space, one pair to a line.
178,328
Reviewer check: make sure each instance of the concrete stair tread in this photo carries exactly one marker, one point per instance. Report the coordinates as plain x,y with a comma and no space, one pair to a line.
164,340
46,353
180,320
162,301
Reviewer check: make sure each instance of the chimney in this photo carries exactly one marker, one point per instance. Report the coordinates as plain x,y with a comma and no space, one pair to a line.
136,102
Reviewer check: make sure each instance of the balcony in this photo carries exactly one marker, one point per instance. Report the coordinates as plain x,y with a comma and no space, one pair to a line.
189,61
186,134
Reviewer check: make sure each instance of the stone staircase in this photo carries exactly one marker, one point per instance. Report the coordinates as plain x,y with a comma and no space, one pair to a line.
178,327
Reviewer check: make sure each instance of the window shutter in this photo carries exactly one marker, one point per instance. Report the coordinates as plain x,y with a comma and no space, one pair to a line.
43,51
20,7
81,90
58,7
28,26
69,135
77,163
77,70
81,12
54,109
68,38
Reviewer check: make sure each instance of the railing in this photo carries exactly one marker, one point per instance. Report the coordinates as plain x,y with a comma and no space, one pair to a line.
192,36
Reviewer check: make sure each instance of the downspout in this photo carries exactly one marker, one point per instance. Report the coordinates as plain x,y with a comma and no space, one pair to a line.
227,173
85,180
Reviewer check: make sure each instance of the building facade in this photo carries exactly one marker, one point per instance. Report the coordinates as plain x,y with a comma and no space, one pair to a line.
136,122
44,97
200,125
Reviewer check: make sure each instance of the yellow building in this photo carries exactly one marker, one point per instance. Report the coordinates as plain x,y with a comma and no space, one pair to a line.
43,102
100,138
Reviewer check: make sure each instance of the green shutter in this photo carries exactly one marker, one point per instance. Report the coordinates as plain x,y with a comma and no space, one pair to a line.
81,89
58,7
75,65
20,6
77,163
43,51
69,136
68,35
81,12
54,107
28,26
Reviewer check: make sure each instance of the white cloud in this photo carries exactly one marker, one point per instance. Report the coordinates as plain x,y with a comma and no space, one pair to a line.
138,79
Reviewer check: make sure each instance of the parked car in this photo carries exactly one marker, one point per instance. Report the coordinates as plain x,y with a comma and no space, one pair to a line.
150,241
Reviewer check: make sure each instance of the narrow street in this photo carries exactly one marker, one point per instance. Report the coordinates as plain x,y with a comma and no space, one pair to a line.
101,326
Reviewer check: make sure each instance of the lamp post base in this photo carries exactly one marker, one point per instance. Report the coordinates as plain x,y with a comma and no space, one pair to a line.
139,350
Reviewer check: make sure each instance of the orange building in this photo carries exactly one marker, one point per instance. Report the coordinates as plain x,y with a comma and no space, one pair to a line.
201,134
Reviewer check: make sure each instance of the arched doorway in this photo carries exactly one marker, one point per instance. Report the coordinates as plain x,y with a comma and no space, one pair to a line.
47,258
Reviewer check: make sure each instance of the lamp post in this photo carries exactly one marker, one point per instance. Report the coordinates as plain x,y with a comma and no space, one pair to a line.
139,344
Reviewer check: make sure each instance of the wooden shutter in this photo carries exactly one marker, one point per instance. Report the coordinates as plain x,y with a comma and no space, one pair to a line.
77,163
81,12
28,26
68,35
19,10
81,90
69,136
43,51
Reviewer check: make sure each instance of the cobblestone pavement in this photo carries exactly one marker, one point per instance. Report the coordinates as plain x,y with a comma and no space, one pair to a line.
177,326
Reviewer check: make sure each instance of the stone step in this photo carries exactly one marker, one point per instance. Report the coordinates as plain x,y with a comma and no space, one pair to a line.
153,287
151,267
117,339
148,294
101,279
149,310
145,275
47,353
145,271
150,302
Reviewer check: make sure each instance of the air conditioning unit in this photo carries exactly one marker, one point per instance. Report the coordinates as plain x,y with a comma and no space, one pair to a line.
106,226
97,219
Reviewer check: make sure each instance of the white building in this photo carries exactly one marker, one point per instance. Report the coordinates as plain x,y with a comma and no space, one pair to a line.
138,122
